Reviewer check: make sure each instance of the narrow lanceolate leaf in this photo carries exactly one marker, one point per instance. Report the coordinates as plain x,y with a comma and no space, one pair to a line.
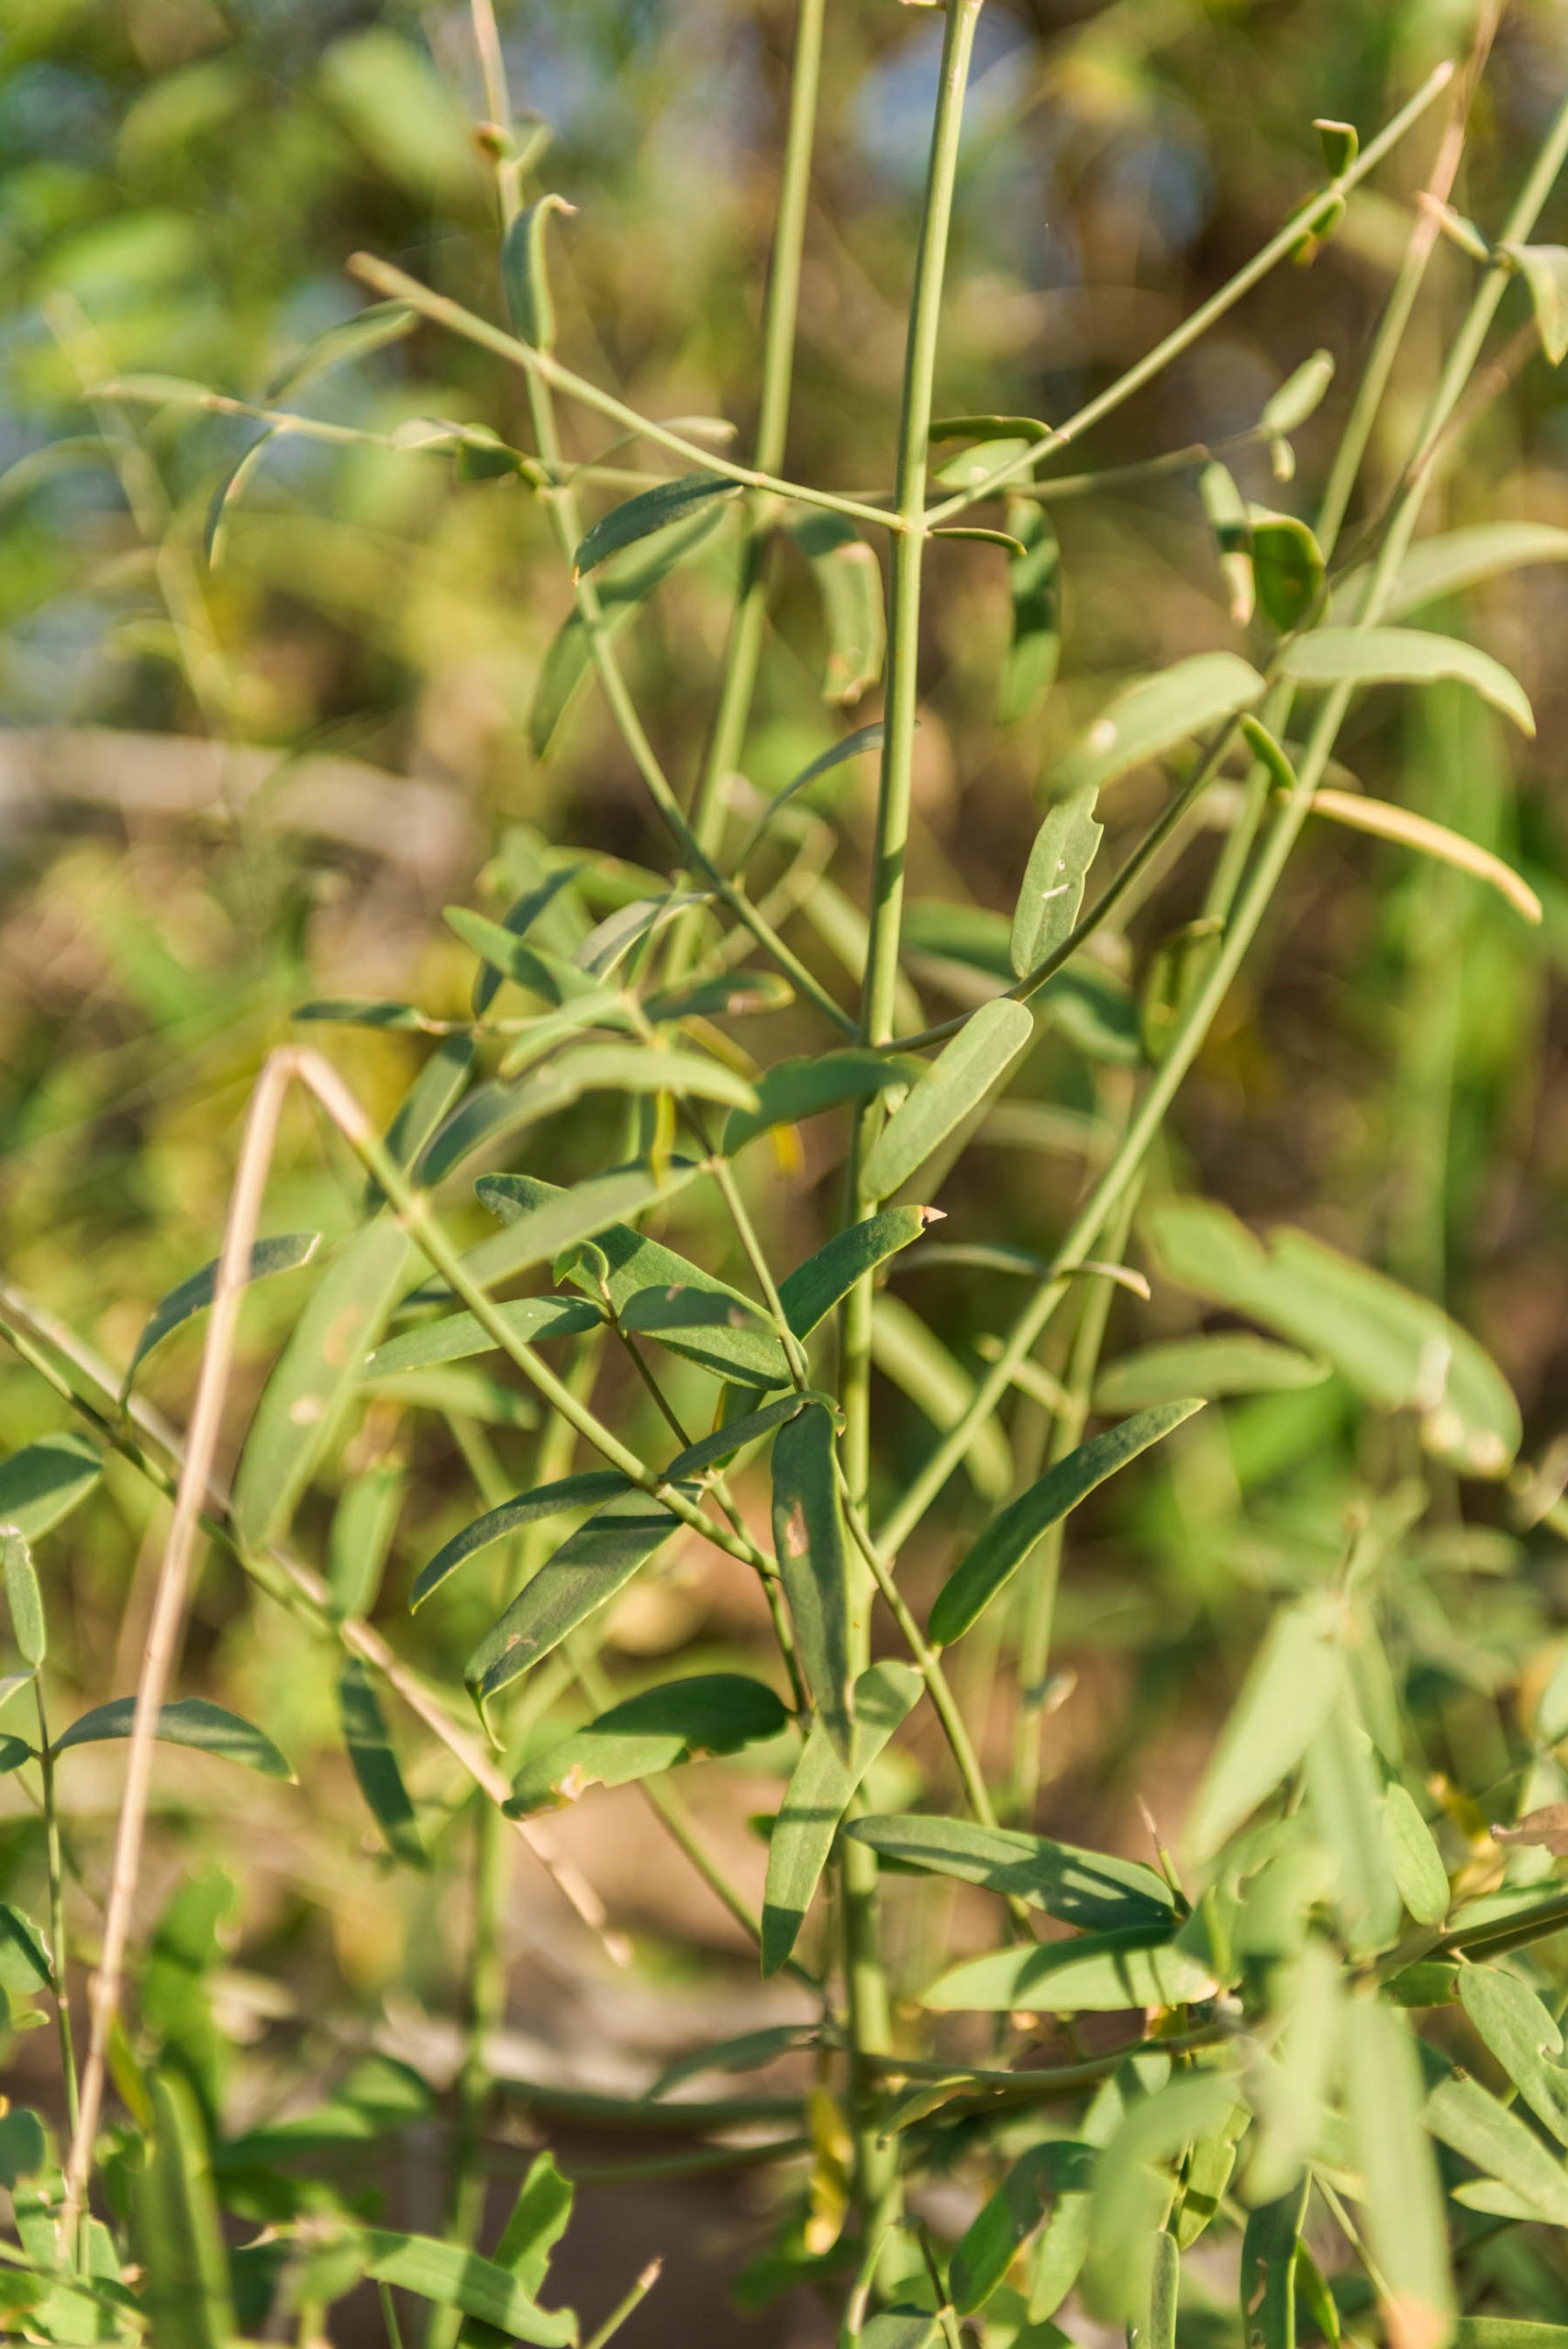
193,1721
563,1219
794,1089
1268,2269
809,1294
26,1965
174,2226
363,1524
284,1254
1447,564
622,586
313,1382
1094,1973
370,329
24,1600
724,1334
1501,2145
915,1359
375,1764
808,1537
1414,1858
1410,831
1399,1350
1034,589
1292,2093
456,2277
956,1083
1133,2186
1376,656
987,2250
1153,716
641,1068
42,1482
712,1450
591,1566
848,581
1208,1366
586,1490
1402,2204
1294,1679
1086,1889
819,1792
713,1712
457,1337
489,1116
1523,2036
426,1102
640,516
524,272
1544,269
1065,847
1007,1542
852,746
607,945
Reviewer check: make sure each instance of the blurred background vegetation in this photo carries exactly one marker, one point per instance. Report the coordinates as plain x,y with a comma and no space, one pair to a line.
227,786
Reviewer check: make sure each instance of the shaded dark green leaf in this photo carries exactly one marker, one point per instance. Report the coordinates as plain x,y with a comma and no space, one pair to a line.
713,1712
820,1789
809,1540
193,1721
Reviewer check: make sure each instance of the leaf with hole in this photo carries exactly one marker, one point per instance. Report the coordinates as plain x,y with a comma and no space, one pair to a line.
1381,656
1084,1889
1008,1539
312,1385
809,1541
191,1720
819,1792
1153,716
711,1712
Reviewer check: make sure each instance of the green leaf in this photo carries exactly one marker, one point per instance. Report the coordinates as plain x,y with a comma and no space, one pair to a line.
24,1962
1291,2092
1269,2249
915,1359
607,945
1501,2145
1507,2333
175,2226
587,1490
24,2149
1518,2029
44,1481
457,1337
623,586
1065,847
794,1089
1344,1801
821,1788
1402,2209
193,1721
284,1254
954,1083
713,1712
1228,518
1300,396
1225,1364
648,512
375,1764
1377,656
641,1068
1294,1680
23,1598
1159,2328
1066,2243
721,997
900,2328
1151,717
808,1537
1452,561
727,1335
1287,565
1208,2174
852,746
1008,1539
429,1099
303,1404
1413,1856
710,1450
1133,2187
983,2253
456,2277
544,1221
524,276
367,1011
1399,1350
1544,269
371,329
1034,590
457,1394
363,1524
1096,1973
591,1566
749,2051
491,1114
848,581
1081,1888
536,2224
809,1292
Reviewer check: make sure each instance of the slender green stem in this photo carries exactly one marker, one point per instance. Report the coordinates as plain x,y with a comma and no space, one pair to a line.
55,1861
626,2306
486,2002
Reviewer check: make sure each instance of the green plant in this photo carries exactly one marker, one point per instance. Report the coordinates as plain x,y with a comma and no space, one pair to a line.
1268,2081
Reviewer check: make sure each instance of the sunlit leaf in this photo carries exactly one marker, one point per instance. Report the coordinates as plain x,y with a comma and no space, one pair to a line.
820,1789
587,1490
793,1089
1402,2209
954,1085
1096,1973
44,1481
1502,2146
1152,716
24,1600
1376,656
810,1542
1295,1678
454,2277
1544,269
1225,1365
714,1712
524,272
456,1337
988,2246
591,1566
810,1292
1065,847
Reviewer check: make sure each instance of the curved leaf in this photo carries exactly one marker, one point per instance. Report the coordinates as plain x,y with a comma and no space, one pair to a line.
284,1254
956,1083
821,1787
714,1712
1378,656
456,1337
809,1292
585,1490
648,512
590,1567
1087,1889
1154,716
209,1729
45,1480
